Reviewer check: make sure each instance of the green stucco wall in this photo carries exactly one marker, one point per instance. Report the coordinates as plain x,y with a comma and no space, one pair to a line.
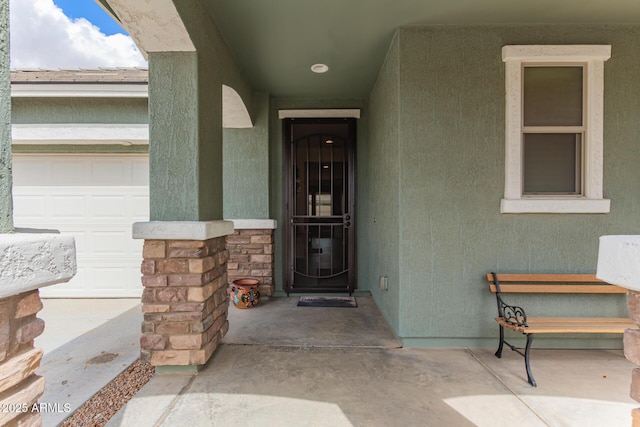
79,110
245,156
450,177
185,133
6,202
379,191
174,147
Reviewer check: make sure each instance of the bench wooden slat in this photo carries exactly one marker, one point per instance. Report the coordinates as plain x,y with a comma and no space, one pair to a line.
571,325
583,320
552,284
525,277
531,288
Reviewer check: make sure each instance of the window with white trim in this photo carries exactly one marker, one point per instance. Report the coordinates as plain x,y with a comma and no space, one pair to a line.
554,129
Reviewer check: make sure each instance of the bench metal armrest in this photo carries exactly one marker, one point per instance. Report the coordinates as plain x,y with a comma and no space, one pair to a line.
512,314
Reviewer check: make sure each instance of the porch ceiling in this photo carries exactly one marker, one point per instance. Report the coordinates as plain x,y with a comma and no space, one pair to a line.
277,41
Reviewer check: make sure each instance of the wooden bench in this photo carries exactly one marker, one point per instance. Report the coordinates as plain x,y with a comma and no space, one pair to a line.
515,318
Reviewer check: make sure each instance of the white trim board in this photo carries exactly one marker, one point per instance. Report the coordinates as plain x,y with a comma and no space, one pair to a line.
79,90
592,57
129,134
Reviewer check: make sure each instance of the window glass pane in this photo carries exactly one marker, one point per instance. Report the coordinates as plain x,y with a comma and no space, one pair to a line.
553,96
552,163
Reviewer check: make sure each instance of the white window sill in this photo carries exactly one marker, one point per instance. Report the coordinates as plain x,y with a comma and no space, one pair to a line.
552,205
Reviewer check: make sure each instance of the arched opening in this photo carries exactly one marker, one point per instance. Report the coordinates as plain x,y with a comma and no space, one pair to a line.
234,111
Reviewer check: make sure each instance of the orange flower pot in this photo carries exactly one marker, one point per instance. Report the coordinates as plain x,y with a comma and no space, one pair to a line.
244,293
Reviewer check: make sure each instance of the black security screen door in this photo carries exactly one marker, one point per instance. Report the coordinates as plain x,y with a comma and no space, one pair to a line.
319,205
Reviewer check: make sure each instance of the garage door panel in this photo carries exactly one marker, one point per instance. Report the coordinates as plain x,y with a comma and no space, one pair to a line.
108,172
99,215
114,207
140,172
112,278
109,243
68,207
29,206
139,206
69,172
32,171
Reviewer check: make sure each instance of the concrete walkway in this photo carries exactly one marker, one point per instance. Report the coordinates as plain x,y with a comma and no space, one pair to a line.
282,365
86,343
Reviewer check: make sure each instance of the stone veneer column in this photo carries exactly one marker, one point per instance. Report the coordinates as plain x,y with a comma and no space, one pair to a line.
30,260
251,252
184,300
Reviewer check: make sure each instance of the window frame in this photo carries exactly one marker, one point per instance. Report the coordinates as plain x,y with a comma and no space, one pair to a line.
591,58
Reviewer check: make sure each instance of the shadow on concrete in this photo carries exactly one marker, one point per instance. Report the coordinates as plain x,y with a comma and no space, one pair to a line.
287,365
78,369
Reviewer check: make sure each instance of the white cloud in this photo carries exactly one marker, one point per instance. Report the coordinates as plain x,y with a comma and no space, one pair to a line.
42,36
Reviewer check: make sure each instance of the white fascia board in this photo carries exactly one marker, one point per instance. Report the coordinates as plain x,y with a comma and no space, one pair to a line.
314,114
78,90
80,134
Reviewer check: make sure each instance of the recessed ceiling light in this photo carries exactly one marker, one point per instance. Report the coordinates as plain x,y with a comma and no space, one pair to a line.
329,141
319,68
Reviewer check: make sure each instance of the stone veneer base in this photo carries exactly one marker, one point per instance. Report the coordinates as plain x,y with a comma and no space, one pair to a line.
184,300
32,259
251,256
186,268
20,387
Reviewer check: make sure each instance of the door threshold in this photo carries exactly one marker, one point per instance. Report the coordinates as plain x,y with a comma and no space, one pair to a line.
355,293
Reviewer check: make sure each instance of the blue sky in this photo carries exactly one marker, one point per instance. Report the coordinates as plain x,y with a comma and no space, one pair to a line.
68,34
91,11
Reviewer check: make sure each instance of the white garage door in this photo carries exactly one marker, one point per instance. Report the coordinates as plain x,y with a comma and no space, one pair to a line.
95,198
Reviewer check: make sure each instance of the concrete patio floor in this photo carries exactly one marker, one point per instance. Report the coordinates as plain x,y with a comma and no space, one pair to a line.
286,365
307,366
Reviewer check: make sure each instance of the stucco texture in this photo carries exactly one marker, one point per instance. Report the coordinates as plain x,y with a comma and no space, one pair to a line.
88,110
449,170
6,204
379,192
173,137
246,166
185,106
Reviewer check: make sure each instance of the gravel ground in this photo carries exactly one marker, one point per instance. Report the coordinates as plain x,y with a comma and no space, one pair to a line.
98,410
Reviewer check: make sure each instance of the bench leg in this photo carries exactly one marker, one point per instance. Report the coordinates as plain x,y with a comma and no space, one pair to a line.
527,359
499,352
